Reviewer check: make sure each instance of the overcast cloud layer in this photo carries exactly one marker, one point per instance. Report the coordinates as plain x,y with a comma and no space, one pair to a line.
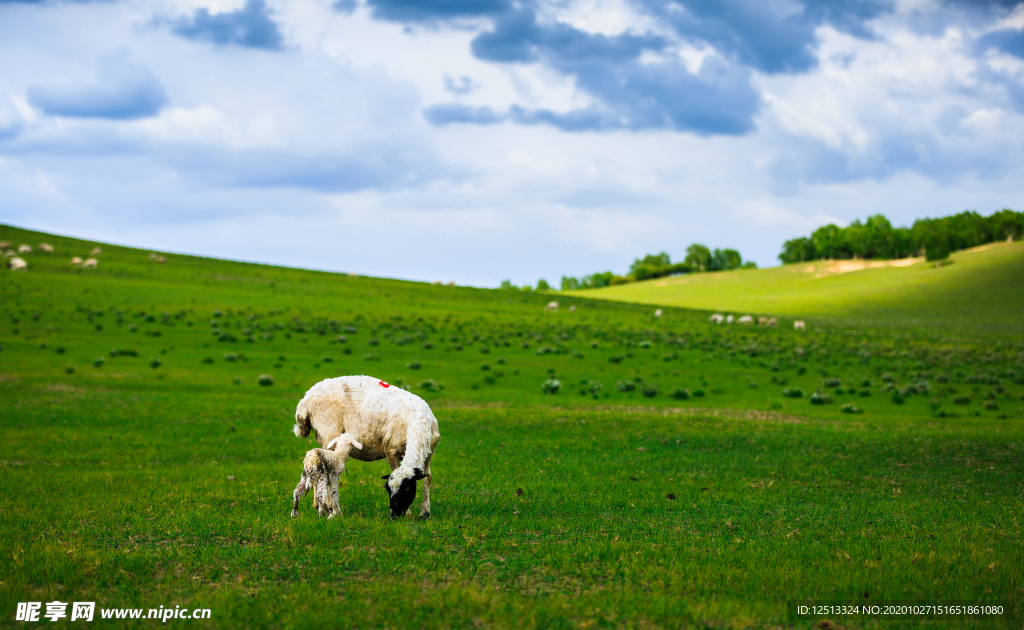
478,140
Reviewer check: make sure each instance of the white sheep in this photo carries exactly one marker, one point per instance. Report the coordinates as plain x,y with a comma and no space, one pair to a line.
771,322
90,263
657,313
10,253
746,319
24,249
321,469
388,423
96,251
718,318
551,306
75,261
799,325
572,309
5,244
728,319
17,264
46,247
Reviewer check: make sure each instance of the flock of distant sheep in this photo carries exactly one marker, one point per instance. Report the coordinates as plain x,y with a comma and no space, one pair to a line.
717,318
17,263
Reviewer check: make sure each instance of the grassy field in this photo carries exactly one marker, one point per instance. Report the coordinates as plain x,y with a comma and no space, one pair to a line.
977,289
680,477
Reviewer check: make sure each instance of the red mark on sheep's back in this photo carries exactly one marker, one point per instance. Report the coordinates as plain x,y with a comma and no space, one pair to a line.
383,384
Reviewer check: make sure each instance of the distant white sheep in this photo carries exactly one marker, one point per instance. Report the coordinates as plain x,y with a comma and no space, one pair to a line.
728,319
24,249
746,319
96,251
90,263
10,253
799,325
5,244
46,247
387,422
657,313
761,321
572,309
551,306
717,318
75,261
17,264
771,322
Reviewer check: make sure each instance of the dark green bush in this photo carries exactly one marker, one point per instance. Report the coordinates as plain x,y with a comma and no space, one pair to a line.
650,390
793,392
265,380
551,386
625,386
680,393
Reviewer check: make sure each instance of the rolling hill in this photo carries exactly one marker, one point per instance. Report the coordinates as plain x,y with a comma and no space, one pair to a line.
979,290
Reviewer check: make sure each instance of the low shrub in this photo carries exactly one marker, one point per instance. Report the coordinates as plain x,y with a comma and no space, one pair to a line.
850,408
793,392
430,385
207,361
265,380
888,378
819,398
645,344
698,393
680,393
865,393
99,362
832,382
991,405
897,399
650,390
326,359
551,386
485,367
615,359
625,386
70,369
155,363
413,365
962,400
373,341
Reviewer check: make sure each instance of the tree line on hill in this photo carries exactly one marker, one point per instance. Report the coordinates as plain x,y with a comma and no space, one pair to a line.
699,258
934,239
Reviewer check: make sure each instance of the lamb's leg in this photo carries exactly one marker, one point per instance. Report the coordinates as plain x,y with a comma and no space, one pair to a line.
335,507
425,508
300,491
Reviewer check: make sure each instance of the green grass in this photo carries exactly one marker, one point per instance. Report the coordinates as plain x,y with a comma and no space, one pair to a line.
979,290
139,486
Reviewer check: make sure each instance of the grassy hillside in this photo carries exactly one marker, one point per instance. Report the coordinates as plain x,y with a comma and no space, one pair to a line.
685,474
979,291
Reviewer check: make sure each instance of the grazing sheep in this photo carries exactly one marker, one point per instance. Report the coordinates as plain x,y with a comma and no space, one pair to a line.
90,263
718,318
657,313
160,259
96,251
389,423
746,319
771,322
572,309
10,253
153,255
5,244
799,325
24,249
321,468
75,261
17,264
761,321
551,306
728,319
46,247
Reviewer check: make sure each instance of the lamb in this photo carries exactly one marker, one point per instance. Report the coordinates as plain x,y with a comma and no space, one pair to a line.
24,249
75,261
746,319
17,264
799,325
90,263
321,468
46,248
728,319
551,306
388,423
718,318
657,314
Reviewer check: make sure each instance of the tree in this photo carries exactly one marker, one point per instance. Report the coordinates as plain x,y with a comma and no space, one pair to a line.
542,285
569,283
698,257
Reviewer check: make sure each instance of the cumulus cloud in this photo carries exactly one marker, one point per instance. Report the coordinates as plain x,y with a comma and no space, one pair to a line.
249,26
120,90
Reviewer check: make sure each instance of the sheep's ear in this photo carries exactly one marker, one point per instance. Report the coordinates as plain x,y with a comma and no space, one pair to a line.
418,474
386,477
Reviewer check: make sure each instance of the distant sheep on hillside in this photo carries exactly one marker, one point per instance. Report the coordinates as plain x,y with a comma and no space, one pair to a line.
799,325
728,319
10,253
75,261
551,306
5,244
46,247
17,264
24,249
771,322
657,313
717,318
746,319
90,263
96,251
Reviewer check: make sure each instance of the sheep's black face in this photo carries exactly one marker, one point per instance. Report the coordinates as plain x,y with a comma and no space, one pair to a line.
403,496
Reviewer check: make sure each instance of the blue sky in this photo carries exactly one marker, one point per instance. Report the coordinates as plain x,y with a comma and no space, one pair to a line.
479,140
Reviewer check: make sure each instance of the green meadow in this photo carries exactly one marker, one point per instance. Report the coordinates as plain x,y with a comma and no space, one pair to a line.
598,467
977,290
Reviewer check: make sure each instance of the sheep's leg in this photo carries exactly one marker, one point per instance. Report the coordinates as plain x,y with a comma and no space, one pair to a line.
300,491
425,508
335,507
